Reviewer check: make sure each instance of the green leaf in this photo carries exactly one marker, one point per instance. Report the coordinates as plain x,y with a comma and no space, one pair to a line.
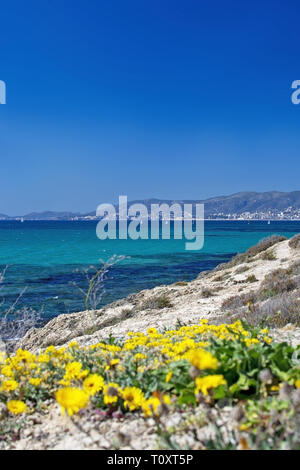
187,397
219,392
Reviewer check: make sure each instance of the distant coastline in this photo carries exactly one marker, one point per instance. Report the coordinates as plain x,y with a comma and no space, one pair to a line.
272,205
166,220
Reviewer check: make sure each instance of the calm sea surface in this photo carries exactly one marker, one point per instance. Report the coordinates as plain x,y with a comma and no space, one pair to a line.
48,257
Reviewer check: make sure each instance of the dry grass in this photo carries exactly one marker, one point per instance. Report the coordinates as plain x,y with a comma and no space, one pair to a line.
295,268
295,242
126,313
206,293
251,278
276,312
275,303
246,257
222,277
238,301
268,255
264,245
276,282
155,303
241,269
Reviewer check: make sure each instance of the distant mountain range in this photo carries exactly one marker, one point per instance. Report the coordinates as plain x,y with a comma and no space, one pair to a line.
46,215
267,204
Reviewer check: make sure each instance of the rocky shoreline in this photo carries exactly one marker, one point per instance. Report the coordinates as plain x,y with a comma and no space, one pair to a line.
164,306
241,288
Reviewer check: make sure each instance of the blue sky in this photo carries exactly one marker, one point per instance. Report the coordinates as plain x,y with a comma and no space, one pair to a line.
169,99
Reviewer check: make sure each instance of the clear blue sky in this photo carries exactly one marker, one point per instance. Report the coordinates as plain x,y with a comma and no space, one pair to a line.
152,98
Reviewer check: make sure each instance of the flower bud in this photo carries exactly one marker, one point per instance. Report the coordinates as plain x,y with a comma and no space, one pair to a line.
265,376
238,414
285,391
296,398
194,372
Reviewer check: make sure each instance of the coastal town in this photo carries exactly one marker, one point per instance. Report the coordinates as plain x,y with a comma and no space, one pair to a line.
289,213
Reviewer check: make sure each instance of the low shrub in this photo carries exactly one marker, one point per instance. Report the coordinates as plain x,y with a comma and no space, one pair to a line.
264,244
126,313
241,269
246,257
276,282
275,312
295,268
158,302
251,278
269,423
268,255
237,301
222,277
295,242
206,293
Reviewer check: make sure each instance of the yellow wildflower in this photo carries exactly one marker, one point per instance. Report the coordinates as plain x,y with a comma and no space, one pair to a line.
35,381
152,331
203,384
255,341
244,426
25,356
139,356
112,363
169,376
202,359
16,406
111,393
9,385
93,384
73,370
44,358
71,399
133,398
7,371
151,406
50,349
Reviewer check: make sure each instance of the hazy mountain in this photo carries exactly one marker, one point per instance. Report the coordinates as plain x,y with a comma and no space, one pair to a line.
239,202
253,202
232,204
50,215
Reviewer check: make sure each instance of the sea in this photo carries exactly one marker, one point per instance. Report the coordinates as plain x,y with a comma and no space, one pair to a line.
48,261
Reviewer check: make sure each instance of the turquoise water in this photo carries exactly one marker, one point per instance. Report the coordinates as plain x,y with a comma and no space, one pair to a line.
47,257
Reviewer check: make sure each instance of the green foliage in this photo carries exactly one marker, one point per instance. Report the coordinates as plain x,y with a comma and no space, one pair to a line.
158,302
